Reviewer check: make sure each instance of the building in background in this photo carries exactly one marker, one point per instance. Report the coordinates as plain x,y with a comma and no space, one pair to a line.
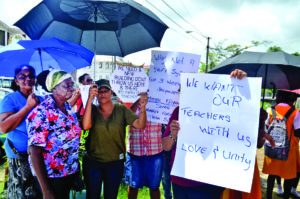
104,67
7,31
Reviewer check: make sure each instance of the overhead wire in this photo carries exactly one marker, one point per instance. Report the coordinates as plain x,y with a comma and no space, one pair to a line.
174,23
203,35
187,11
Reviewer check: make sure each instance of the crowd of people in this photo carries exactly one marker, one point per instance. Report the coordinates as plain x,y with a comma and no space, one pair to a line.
50,132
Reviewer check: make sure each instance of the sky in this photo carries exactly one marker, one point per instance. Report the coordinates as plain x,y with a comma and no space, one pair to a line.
236,21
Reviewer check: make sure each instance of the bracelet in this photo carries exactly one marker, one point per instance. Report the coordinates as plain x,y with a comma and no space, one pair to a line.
173,138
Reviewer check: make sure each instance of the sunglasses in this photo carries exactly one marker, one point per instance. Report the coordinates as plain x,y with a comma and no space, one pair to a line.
89,80
23,77
103,92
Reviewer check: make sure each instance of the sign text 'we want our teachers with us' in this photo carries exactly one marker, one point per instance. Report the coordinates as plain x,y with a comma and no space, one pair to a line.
218,118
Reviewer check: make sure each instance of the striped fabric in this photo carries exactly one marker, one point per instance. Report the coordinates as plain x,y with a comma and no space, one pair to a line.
145,141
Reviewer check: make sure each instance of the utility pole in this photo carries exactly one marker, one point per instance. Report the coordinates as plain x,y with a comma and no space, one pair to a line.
207,47
207,52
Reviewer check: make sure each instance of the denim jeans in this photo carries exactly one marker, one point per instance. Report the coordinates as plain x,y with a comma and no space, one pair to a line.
205,191
96,172
144,170
166,176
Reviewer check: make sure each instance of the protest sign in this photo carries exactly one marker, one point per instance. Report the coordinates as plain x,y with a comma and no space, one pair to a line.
84,92
127,82
218,118
164,82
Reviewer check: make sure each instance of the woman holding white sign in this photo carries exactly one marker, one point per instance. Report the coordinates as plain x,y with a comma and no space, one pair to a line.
184,188
105,143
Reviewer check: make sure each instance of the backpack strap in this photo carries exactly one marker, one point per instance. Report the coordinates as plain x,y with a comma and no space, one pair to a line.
288,114
273,112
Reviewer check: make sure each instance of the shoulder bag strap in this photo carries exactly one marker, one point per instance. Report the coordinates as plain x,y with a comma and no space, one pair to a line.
287,115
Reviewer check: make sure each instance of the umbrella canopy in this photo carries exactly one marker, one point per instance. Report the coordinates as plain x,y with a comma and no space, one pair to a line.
104,27
42,55
279,70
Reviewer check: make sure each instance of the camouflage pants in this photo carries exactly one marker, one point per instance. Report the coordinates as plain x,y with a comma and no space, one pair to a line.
16,187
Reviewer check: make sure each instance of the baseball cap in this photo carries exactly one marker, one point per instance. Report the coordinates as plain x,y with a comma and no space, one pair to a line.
103,82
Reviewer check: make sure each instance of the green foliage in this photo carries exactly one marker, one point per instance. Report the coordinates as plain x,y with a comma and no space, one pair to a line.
274,49
296,54
222,52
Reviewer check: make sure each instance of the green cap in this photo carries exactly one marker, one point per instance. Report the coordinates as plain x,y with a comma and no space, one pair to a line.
103,82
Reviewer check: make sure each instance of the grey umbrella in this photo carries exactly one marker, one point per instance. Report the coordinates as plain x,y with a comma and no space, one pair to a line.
278,70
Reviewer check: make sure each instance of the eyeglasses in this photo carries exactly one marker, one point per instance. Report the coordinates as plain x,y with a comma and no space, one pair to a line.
89,80
103,92
23,77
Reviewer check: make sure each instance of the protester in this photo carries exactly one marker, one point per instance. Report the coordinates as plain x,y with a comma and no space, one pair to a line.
104,160
54,134
285,169
84,79
14,109
184,188
144,163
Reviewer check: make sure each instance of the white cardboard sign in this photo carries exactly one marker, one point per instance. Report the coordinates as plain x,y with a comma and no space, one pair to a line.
127,82
164,82
218,118
84,91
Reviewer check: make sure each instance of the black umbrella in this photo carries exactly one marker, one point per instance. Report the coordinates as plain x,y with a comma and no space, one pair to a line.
106,27
279,70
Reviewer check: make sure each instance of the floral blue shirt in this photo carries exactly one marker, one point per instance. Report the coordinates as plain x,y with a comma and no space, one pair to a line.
58,134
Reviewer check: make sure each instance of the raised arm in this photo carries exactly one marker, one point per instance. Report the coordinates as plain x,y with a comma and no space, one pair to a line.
87,119
140,123
11,120
75,97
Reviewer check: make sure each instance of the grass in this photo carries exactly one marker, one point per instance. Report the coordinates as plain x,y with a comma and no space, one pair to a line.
144,193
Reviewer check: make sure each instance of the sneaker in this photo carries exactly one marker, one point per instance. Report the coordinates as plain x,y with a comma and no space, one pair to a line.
295,194
279,191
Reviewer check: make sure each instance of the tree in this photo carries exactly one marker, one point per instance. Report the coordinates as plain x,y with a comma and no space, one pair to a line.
274,49
220,53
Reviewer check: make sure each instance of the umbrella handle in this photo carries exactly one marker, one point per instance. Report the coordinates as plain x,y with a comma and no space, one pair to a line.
265,82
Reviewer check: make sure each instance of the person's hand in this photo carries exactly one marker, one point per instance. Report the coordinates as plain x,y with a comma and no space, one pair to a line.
239,74
174,127
32,100
143,99
93,92
270,139
120,101
77,93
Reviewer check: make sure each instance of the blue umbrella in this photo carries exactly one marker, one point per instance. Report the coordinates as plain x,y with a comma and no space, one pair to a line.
42,55
118,28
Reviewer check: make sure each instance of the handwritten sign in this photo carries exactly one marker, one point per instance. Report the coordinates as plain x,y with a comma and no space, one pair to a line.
164,82
127,82
217,140
84,91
